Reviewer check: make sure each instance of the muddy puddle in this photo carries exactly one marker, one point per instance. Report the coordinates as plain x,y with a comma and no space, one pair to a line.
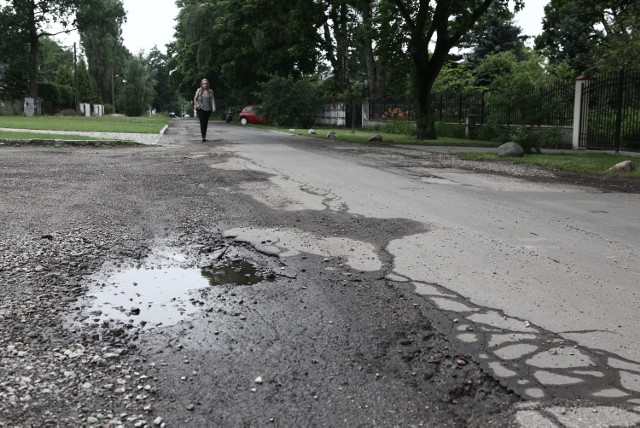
163,290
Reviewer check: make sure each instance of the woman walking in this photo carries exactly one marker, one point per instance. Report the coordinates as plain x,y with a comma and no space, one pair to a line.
205,104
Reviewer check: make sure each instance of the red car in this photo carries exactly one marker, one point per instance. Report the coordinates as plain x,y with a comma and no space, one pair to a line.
250,115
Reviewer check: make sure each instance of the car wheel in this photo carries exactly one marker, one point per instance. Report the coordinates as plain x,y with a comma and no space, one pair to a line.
243,121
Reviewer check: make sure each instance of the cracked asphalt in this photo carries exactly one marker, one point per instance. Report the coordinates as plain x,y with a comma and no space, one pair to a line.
383,300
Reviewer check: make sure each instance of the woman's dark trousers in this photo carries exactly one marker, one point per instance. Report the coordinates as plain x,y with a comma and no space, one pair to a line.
204,121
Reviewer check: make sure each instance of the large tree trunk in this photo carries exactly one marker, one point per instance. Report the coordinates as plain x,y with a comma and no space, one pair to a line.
373,72
425,120
425,74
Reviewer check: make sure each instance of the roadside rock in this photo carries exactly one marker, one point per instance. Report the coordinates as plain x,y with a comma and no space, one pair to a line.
510,149
624,166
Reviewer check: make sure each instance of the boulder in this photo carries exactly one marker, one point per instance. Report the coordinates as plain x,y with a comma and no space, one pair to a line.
510,149
624,166
332,135
376,137
312,131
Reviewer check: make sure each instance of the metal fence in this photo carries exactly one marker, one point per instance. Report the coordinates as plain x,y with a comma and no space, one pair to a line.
551,105
610,112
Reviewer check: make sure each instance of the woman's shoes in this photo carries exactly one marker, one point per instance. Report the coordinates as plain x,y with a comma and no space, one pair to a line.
204,139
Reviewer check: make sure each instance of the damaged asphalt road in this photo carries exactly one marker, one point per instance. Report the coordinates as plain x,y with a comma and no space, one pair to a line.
335,330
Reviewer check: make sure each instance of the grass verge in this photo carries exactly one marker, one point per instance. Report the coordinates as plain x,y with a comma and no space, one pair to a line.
17,135
143,125
362,136
586,163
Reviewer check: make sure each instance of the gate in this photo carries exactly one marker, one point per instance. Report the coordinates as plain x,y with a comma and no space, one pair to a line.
610,112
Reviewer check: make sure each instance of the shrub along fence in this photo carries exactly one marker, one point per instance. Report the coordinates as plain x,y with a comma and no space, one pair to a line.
600,113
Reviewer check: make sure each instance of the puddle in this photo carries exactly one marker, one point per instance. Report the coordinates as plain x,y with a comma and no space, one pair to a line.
162,291
235,272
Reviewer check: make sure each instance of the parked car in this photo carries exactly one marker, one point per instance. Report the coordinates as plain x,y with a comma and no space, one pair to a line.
172,114
250,115
230,113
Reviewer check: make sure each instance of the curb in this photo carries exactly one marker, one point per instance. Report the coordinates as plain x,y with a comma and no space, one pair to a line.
75,143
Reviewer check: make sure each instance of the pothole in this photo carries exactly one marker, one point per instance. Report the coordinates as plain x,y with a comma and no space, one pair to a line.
163,290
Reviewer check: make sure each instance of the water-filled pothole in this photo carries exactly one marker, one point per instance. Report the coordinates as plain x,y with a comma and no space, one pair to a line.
163,290
237,272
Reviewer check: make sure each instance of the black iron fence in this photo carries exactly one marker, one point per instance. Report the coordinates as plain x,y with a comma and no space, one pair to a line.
610,112
550,105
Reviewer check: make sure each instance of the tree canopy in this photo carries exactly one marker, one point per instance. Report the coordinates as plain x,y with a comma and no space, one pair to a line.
591,35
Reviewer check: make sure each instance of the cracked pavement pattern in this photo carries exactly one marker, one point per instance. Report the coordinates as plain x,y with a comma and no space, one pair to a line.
540,279
403,288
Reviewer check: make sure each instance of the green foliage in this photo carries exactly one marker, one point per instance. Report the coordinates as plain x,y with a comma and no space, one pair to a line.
592,36
547,138
290,102
531,139
51,57
136,92
398,127
451,130
494,33
519,88
87,88
237,44
61,96
165,93
64,75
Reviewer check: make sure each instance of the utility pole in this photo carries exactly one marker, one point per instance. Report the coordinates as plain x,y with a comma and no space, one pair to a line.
113,93
75,77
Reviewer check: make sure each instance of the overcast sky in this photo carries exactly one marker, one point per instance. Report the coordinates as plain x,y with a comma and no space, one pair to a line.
151,22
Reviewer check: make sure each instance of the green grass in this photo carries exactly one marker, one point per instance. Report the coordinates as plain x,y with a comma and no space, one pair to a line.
362,136
590,163
17,135
144,125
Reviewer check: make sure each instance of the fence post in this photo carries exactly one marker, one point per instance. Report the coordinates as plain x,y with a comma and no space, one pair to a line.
619,107
579,115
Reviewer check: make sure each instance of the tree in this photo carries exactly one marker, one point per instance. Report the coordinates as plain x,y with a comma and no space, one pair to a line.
29,20
137,88
165,93
100,28
493,33
568,34
591,35
291,102
237,44
447,22
87,88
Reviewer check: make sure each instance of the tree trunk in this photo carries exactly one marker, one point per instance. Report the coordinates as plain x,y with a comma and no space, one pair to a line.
425,75
373,72
425,120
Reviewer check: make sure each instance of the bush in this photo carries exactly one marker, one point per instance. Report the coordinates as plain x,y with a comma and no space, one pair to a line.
451,130
290,102
68,112
400,127
550,138
61,96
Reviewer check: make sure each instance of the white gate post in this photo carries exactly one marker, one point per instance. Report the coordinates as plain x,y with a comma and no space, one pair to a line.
578,112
